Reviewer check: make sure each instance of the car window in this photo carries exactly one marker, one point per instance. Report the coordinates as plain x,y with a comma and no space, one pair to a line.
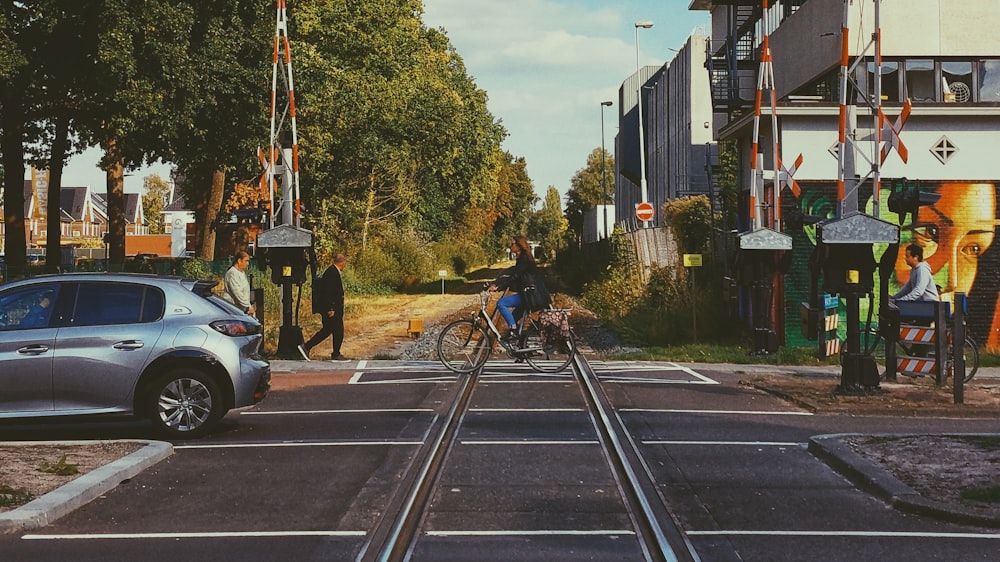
100,304
28,307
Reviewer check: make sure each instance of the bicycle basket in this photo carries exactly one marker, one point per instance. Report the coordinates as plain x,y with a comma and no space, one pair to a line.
555,324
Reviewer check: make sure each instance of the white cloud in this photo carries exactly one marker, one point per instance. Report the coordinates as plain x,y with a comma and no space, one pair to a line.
547,64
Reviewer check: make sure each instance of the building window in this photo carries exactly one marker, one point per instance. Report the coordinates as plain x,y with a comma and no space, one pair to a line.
989,80
956,81
920,80
890,81
944,149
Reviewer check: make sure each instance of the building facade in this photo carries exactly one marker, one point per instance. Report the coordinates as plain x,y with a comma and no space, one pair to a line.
940,55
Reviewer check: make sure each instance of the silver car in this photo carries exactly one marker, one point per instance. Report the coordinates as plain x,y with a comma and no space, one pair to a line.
161,348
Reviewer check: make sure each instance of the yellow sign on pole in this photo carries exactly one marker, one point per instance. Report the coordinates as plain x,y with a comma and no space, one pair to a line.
692,260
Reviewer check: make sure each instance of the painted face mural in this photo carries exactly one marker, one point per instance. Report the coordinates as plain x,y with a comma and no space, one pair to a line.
957,234
954,232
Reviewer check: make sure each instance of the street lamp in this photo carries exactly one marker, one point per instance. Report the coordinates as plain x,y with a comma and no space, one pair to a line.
638,91
604,173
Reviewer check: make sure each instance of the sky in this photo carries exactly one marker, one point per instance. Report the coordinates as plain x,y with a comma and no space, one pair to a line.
546,66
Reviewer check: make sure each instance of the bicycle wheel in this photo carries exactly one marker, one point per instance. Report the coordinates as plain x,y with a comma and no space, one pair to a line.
464,346
547,355
971,352
870,343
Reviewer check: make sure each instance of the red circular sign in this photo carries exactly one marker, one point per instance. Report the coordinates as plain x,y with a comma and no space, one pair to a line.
644,211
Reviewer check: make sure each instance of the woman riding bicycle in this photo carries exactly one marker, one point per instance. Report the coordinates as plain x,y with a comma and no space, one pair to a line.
525,284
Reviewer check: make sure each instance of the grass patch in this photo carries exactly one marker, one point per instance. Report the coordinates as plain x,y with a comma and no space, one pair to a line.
10,497
61,468
982,494
730,353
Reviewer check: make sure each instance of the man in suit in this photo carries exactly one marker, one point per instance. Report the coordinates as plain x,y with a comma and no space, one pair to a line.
329,304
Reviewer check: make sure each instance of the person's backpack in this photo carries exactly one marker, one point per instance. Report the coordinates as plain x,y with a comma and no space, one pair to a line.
320,298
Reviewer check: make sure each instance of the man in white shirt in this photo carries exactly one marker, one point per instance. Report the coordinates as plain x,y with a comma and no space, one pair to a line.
238,284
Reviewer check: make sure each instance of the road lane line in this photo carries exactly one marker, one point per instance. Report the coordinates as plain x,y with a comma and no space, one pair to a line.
877,534
348,411
725,412
519,410
293,444
730,443
538,442
208,535
536,533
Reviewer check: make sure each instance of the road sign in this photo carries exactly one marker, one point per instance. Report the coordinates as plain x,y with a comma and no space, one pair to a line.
645,211
692,260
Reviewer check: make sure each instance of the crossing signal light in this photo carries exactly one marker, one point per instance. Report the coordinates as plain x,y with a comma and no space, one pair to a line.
906,197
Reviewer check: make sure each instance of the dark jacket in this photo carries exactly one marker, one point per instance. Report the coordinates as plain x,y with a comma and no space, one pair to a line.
328,292
522,275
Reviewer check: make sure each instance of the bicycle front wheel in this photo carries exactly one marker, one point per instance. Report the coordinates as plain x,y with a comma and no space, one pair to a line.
548,355
463,346
971,352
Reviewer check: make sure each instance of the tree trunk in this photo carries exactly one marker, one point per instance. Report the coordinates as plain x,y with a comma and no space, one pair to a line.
116,207
53,238
210,213
16,238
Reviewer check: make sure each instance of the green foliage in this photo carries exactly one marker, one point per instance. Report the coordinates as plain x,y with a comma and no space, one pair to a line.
690,219
620,290
61,467
458,256
400,262
397,132
547,226
14,497
729,162
157,191
591,185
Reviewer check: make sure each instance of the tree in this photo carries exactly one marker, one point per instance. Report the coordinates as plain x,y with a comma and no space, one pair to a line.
547,225
229,49
591,185
396,131
156,194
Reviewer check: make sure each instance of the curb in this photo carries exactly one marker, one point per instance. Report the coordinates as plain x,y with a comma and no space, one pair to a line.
77,493
874,479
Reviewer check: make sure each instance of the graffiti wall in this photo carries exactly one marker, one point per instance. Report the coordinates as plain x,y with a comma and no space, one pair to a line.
958,237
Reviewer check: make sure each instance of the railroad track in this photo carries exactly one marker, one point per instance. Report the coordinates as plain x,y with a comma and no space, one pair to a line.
655,529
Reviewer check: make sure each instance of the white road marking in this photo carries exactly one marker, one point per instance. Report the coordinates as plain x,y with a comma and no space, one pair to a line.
879,534
299,444
539,442
527,410
729,443
210,535
725,412
371,411
554,532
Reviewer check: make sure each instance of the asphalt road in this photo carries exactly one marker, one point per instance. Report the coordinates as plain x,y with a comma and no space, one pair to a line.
305,474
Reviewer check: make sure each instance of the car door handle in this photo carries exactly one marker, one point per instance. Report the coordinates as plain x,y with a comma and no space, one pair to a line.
128,345
36,349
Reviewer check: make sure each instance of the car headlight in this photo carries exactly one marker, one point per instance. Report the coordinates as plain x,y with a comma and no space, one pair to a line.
236,328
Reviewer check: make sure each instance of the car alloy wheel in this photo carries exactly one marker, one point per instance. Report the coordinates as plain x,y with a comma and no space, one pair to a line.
186,403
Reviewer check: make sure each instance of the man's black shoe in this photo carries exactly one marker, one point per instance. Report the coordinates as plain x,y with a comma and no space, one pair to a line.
339,357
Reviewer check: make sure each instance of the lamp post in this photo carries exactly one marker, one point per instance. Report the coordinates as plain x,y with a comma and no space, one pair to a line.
638,91
604,172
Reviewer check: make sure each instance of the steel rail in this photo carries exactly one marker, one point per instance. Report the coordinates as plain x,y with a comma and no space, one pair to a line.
394,537
657,528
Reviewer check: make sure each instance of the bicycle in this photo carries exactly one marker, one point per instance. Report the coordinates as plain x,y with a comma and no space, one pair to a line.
873,344
465,345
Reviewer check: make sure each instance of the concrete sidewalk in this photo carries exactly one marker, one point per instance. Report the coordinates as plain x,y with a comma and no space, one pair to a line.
78,492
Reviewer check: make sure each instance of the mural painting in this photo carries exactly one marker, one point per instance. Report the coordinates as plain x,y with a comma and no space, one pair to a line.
957,233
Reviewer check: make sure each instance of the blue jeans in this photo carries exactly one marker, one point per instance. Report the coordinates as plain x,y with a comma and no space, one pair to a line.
505,304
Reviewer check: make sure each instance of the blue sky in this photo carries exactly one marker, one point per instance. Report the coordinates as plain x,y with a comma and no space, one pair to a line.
546,66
